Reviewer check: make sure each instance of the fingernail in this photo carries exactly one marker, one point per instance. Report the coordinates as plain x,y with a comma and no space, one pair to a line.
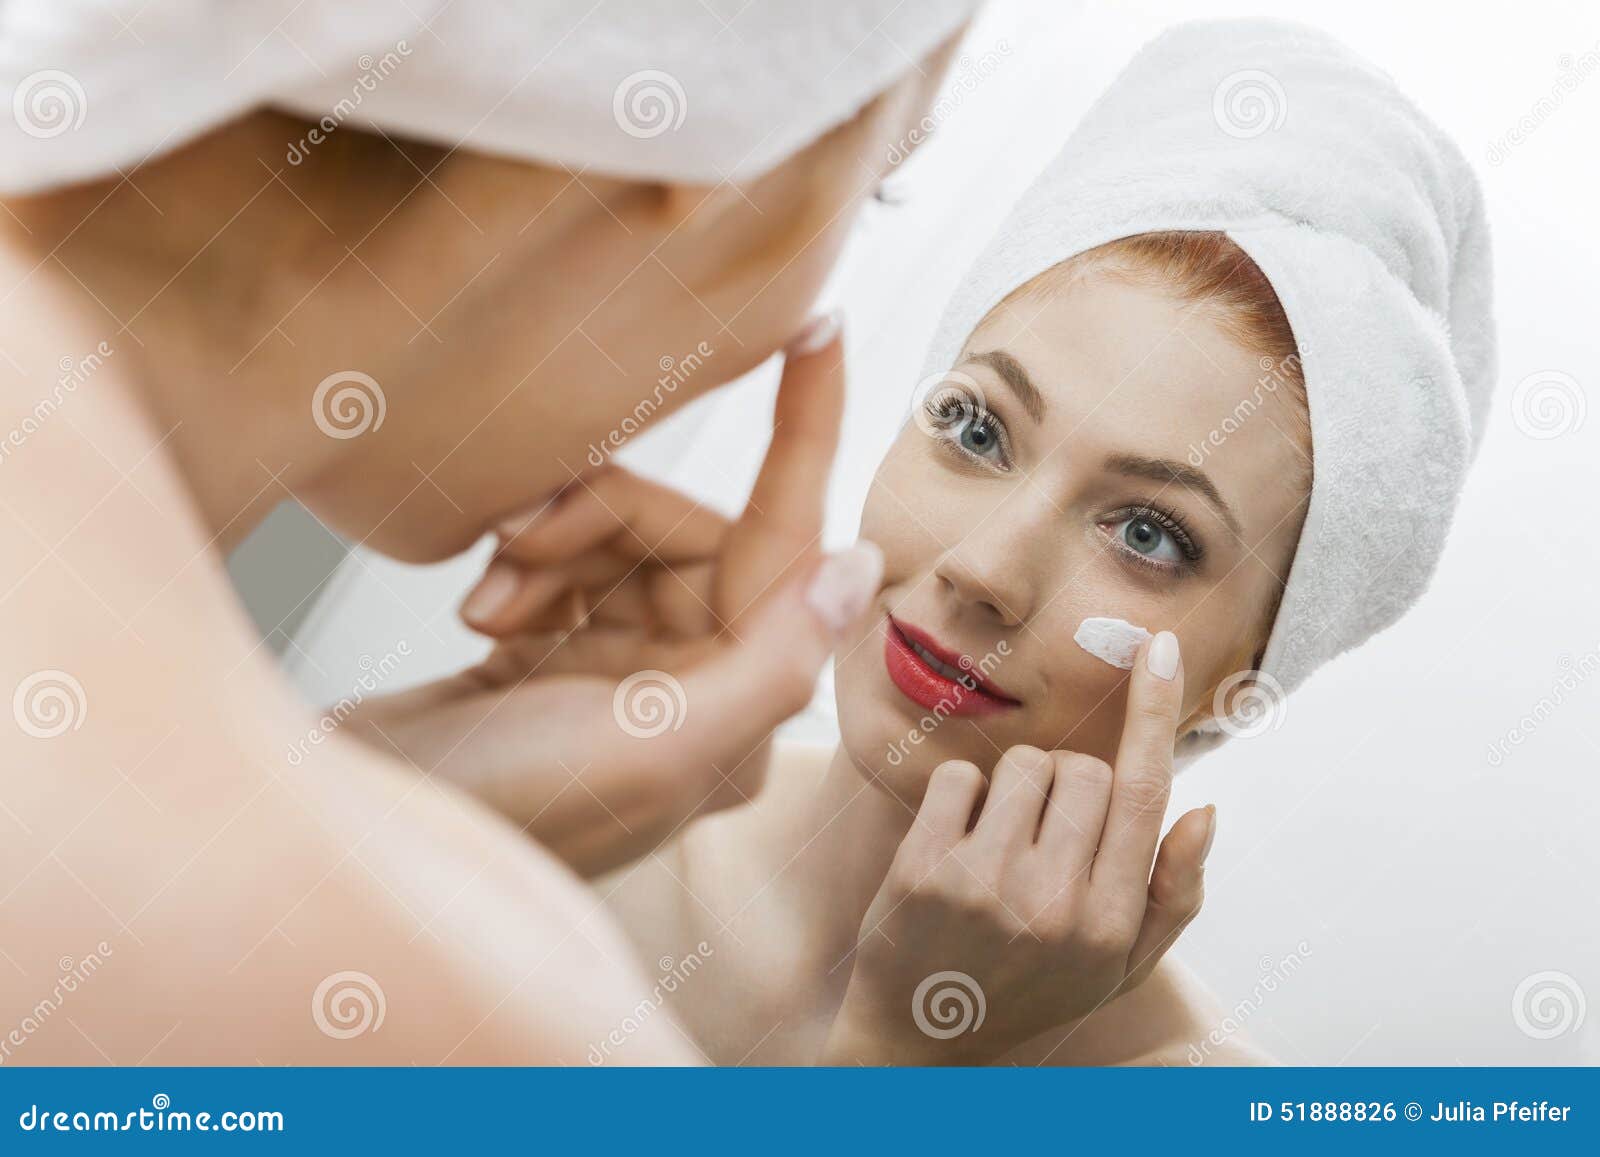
818,332
1211,831
493,592
844,584
1162,657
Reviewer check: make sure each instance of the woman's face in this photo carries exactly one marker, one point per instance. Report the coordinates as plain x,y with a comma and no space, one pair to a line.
565,313
1094,481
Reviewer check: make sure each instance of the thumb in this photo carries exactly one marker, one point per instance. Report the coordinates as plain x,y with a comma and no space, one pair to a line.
770,671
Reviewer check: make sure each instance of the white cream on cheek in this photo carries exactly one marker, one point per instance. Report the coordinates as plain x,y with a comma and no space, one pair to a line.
1113,641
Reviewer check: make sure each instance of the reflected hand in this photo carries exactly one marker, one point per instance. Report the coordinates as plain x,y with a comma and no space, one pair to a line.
603,728
1041,910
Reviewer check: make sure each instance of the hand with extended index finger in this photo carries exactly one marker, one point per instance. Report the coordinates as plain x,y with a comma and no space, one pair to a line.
603,729
1039,892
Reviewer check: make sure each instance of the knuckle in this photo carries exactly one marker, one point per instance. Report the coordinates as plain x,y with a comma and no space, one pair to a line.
1147,792
1107,938
1032,762
791,689
1085,768
957,775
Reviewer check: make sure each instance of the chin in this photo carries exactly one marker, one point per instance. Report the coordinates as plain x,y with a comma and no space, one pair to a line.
895,743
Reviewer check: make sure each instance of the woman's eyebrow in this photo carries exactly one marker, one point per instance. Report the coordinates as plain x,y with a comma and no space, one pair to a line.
1012,374
1170,470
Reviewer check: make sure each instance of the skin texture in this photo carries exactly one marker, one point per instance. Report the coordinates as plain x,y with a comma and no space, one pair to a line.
512,315
848,879
980,558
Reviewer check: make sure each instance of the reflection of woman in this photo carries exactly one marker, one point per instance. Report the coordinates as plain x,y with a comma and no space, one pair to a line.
411,340
990,815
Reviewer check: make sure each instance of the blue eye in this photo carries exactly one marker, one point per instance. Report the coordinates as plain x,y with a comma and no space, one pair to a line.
1145,536
968,425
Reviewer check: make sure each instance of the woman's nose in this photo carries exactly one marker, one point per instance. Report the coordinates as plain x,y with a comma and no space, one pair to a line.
989,576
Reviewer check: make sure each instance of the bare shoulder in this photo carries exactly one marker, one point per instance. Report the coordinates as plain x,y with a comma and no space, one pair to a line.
173,887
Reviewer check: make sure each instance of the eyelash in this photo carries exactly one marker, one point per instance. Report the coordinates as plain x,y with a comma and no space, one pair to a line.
1193,552
947,404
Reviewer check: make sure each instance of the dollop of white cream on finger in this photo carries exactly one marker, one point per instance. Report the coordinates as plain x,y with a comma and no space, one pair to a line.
1113,641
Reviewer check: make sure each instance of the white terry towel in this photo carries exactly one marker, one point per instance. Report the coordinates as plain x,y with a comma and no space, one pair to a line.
693,91
1370,226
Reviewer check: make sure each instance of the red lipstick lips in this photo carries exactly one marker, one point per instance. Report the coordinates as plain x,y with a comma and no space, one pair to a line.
934,677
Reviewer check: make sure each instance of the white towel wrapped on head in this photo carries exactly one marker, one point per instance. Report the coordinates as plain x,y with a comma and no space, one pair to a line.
1370,226
673,90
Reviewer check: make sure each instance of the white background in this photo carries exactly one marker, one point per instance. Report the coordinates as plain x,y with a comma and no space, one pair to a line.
1370,834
